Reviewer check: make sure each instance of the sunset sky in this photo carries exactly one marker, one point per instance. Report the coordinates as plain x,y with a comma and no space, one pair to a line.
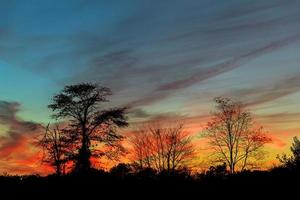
164,59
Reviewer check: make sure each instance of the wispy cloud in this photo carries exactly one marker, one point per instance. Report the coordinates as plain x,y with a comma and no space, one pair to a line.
281,118
285,87
229,65
267,93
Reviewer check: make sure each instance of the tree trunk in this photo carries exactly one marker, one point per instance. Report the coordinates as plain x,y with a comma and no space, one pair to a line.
83,163
58,169
168,163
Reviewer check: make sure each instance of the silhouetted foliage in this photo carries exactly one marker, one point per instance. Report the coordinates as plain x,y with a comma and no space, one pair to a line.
121,170
122,182
292,162
219,170
88,124
232,135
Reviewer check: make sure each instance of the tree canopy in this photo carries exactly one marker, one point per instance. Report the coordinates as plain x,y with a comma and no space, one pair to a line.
88,124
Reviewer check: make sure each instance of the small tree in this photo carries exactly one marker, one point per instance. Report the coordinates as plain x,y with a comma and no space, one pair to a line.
295,148
292,161
54,148
232,135
89,125
166,148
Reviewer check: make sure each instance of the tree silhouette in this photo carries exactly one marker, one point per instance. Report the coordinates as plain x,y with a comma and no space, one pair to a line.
88,124
163,148
55,148
232,135
295,148
292,162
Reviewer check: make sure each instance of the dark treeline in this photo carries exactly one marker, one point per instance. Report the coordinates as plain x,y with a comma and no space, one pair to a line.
160,153
122,181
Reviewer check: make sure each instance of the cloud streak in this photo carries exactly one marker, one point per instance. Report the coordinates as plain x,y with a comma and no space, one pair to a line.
227,66
165,90
268,93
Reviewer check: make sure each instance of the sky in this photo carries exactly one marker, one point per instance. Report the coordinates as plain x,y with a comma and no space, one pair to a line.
163,59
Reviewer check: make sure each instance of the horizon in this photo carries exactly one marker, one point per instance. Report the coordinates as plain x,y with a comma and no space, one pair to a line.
165,60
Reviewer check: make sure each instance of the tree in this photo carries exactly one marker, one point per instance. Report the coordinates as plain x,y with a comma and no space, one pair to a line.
292,161
88,124
54,148
295,148
232,135
166,148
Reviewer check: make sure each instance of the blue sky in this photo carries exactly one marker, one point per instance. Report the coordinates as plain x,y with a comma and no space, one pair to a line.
166,57
136,47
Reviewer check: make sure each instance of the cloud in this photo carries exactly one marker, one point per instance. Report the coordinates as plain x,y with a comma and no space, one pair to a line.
16,143
229,65
264,94
282,118
8,111
138,113
132,55
9,118
278,142
149,99
240,10
165,90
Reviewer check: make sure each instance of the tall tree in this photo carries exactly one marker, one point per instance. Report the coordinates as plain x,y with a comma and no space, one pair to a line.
232,135
164,148
88,123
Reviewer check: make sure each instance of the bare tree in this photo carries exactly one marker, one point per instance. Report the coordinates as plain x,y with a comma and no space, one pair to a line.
232,135
88,124
163,148
142,148
54,148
